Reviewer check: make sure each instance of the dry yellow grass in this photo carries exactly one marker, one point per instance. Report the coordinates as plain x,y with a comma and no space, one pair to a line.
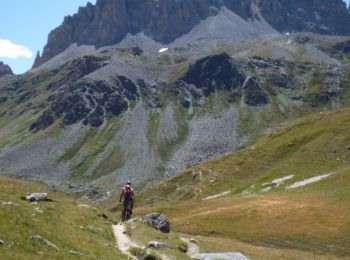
285,221
216,244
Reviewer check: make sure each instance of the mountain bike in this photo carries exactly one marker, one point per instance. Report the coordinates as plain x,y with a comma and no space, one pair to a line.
126,212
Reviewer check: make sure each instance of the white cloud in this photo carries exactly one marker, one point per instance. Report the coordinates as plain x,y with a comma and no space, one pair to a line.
14,51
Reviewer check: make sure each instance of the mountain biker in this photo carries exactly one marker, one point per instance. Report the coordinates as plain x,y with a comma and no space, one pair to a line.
127,197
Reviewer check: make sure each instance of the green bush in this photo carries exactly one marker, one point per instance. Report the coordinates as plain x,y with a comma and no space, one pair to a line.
183,247
151,256
136,251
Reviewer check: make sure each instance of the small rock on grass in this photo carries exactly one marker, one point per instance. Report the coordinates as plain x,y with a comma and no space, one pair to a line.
47,242
156,244
194,241
10,203
72,252
2,242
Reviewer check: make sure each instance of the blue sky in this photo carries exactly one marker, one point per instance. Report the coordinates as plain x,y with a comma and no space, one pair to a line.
25,25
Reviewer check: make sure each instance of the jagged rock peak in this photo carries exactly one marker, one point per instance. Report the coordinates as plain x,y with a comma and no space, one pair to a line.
107,22
5,69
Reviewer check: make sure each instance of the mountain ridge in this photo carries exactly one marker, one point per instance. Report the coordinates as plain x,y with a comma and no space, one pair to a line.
5,69
109,21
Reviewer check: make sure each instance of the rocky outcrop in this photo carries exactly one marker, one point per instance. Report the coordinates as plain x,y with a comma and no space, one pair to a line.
212,73
208,75
89,102
5,70
319,16
79,99
253,94
108,22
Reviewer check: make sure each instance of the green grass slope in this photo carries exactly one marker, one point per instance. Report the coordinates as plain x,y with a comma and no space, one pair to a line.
255,210
73,227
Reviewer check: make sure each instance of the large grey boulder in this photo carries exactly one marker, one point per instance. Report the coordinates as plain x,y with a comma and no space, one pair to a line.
221,256
158,221
36,197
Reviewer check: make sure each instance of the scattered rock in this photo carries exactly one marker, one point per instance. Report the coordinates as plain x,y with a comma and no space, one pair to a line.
72,252
156,244
222,256
103,215
36,197
10,245
301,39
253,94
158,221
38,210
136,51
2,242
84,206
194,241
10,203
47,242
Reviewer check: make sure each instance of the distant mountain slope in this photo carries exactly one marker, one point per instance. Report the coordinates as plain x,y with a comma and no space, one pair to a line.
117,113
109,21
311,146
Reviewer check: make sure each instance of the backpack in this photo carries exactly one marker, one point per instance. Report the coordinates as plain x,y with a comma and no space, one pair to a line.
127,192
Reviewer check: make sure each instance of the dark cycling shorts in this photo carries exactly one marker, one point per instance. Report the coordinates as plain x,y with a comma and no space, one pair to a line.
128,202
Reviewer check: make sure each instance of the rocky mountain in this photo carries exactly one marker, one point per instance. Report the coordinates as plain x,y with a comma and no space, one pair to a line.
5,70
132,99
109,21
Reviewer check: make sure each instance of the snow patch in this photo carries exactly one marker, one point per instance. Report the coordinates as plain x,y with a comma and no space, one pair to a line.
266,189
279,181
217,195
163,50
309,181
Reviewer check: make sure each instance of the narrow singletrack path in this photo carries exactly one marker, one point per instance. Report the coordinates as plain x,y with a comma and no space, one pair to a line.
124,242
193,248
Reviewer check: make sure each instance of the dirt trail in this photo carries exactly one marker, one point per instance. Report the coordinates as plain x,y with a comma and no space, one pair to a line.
193,248
123,241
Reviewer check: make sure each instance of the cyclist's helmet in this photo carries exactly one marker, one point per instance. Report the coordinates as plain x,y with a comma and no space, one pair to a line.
128,182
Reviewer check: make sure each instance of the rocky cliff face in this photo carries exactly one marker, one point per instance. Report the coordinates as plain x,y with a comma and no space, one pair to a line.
319,16
5,69
107,22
